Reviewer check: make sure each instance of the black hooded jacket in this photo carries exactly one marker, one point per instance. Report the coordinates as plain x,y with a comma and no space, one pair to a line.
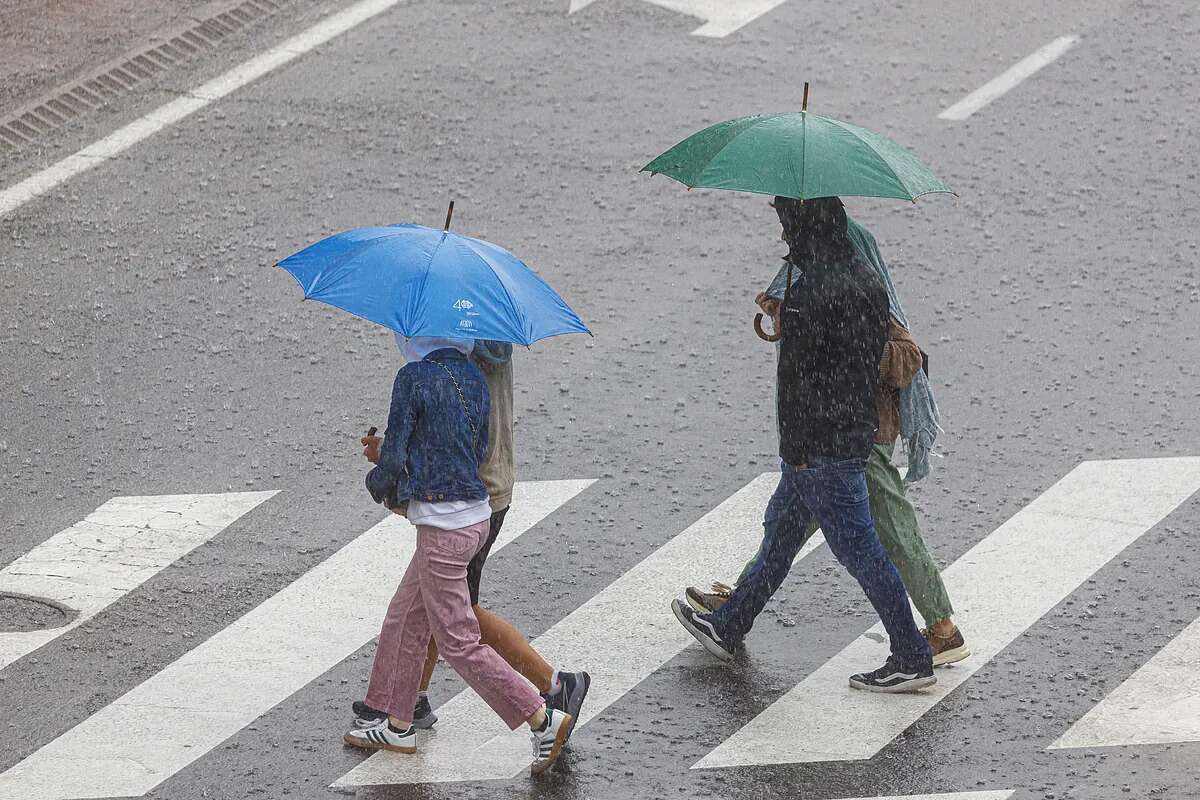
834,324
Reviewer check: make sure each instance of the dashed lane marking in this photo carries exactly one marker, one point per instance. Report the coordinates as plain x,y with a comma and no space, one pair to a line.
1007,80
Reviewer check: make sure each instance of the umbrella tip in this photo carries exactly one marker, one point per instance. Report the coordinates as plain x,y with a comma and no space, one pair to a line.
449,214
804,101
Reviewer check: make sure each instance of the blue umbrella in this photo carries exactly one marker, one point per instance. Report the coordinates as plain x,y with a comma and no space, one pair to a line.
425,282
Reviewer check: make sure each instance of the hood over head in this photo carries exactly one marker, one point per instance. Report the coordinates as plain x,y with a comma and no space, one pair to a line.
415,348
814,230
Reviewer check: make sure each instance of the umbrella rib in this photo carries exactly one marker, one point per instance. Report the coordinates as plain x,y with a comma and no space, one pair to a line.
429,269
803,153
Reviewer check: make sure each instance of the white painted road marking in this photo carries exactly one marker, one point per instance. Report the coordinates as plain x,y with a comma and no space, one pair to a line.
115,549
1158,704
17,195
1008,79
621,636
721,17
212,692
1000,587
1003,794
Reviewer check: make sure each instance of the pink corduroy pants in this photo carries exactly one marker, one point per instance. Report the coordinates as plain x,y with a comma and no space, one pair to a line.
432,600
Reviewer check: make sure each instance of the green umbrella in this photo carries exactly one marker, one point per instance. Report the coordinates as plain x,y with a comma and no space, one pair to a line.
797,154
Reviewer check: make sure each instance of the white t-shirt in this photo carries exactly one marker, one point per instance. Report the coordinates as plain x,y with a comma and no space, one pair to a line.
449,515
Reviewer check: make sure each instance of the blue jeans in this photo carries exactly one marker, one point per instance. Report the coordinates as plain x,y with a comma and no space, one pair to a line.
834,492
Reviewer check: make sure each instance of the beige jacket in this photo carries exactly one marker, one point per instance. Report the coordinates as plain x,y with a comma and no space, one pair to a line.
498,471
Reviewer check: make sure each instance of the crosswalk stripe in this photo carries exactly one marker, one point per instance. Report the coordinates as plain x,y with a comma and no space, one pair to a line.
212,692
115,549
1158,704
1003,794
721,17
621,636
1000,587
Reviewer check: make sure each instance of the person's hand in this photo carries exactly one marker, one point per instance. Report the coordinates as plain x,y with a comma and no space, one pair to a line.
768,304
371,448
401,510
770,307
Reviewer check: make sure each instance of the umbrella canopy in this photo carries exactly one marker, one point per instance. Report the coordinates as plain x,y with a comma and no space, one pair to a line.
420,281
797,154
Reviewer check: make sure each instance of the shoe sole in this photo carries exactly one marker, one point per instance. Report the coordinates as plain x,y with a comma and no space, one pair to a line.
915,685
564,730
391,748
709,645
574,705
951,656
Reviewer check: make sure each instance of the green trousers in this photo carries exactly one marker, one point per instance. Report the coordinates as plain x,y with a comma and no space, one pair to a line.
896,523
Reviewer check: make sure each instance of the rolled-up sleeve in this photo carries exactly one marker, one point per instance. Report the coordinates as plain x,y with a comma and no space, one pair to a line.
387,482
901,357
778,287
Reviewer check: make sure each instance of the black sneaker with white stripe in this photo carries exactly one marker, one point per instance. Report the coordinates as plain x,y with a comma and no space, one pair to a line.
698,625
365,716
894,678
383,737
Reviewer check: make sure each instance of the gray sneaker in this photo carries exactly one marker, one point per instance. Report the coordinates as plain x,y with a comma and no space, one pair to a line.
573,689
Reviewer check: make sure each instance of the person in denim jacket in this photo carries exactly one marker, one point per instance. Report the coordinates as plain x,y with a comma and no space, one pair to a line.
428,454
561,688
428,468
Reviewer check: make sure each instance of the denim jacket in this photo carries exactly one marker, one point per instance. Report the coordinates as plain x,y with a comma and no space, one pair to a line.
427,452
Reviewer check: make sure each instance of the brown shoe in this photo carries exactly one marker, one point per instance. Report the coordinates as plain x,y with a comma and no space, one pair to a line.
708,602
946,649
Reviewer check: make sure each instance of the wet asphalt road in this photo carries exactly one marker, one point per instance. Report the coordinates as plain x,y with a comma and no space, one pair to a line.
150,347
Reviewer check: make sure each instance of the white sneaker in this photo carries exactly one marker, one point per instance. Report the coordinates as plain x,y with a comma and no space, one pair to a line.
548,742
382,737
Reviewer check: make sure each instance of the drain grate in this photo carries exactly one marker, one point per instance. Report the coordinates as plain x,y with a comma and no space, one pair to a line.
122,75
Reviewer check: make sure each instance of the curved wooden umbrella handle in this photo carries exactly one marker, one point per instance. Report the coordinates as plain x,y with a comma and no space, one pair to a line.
766,337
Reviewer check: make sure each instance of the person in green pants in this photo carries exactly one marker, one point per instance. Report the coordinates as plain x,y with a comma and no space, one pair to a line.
894,515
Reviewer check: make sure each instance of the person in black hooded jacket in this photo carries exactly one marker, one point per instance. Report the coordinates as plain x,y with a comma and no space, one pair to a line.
834,324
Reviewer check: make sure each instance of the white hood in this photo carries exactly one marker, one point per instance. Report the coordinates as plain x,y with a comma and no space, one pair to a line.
416,348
